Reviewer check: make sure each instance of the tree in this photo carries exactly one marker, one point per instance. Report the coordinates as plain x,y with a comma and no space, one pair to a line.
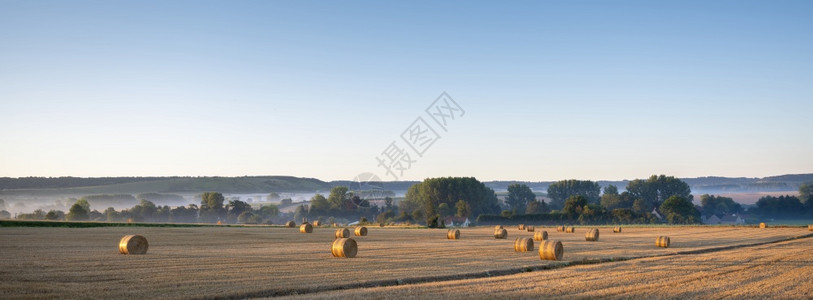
211,207
300,212
385,216
338,197
5,214
182,214
574,205
657,189
463,208
273,196
536,207
286,202
640,206
806,194
248,217
444,210
54,215
269,211
433,191
611,190
779,207
77,212
519,195
718,205
561,190
235,209
679,210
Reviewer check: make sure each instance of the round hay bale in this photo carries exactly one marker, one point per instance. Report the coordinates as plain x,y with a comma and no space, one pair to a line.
453,234
501,233
130,220
360,231
306,228
498,227
570,229
133,244
560,229
617,229
317,223
762,225
521,227
540,235
344,247
591,235
342,233
809,227
219,222
290,224
530,228
551,250
523,245
662,241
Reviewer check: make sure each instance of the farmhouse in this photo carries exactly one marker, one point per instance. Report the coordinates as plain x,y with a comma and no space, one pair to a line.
457,221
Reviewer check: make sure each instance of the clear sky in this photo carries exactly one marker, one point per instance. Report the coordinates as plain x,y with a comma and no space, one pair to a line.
551,89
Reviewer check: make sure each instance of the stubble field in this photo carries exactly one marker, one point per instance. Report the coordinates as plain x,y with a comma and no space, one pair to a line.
249,262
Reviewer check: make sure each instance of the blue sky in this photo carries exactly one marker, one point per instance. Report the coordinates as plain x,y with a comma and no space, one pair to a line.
551,89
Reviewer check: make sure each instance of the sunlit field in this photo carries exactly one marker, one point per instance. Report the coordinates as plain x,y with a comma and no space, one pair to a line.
246,262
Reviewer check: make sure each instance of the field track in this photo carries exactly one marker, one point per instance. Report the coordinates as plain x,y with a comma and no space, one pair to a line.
257,262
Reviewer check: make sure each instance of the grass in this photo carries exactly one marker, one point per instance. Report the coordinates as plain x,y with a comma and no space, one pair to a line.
254,261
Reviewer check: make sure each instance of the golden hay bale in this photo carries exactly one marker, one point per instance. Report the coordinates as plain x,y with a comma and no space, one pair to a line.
290,224
344,247
570,229
560,229
219,222
662,241
521,226
551,250
306,228
592,235
453,234
342,233
317,223
130,220
540,235
617,229
360,231
762,225
529,228
133,244
809,227
523,245
498,227
500,233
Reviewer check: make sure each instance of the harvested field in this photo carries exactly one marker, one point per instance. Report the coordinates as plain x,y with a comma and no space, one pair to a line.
774,271
241,262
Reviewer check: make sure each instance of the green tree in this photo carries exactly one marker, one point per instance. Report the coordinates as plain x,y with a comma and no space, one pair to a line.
463,208
718,205
300,212
269,211
273,196
319,205
561,190
537,207
658,188
679,210
338,197
519,195
640,206
574,206
211,207
235,208
77,212
806,194
434,191
248,217
54,215
611,190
